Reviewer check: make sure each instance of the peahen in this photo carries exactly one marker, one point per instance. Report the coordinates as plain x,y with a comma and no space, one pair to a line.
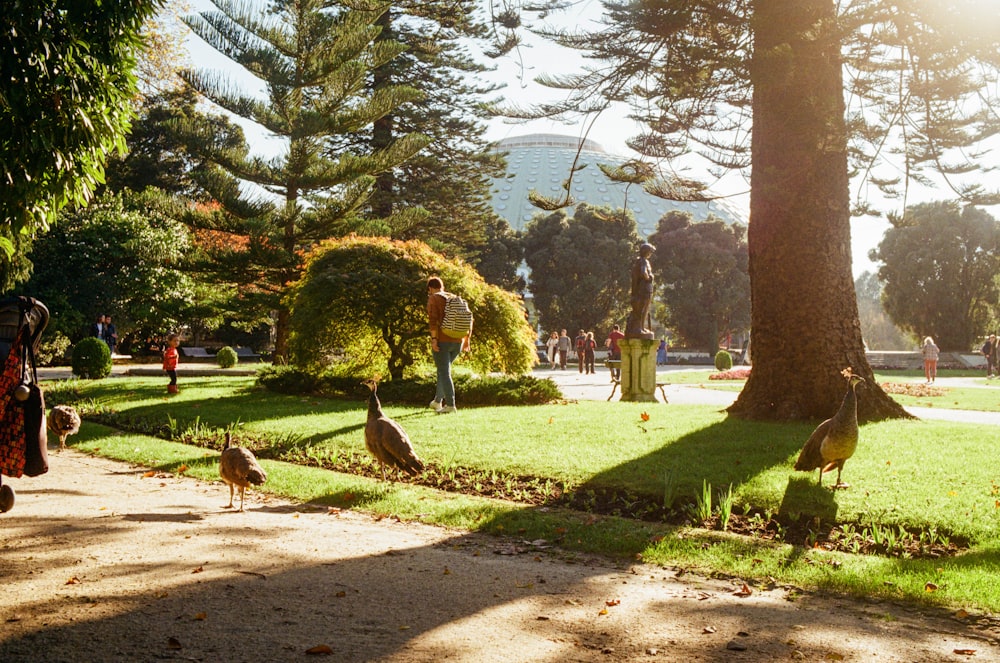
834,440
239,467
386,440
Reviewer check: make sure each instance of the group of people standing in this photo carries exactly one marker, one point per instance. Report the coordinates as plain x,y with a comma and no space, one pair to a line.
559,345
104,329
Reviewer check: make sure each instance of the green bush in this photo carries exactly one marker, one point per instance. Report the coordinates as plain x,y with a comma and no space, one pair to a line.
723,360
91,359
52,351
418,390
226,357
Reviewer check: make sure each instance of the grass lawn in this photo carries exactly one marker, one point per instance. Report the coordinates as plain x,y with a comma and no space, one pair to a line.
950,398
926,476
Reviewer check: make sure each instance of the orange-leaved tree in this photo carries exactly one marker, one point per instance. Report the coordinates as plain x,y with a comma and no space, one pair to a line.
363,301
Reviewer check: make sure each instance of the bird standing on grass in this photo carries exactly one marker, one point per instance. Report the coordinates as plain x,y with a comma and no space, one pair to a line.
64,421
834,440
386,440
239,467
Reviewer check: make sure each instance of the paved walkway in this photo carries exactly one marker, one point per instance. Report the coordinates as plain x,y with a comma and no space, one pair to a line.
597,387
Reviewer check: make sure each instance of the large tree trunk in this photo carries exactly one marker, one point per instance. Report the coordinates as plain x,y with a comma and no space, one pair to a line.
804,314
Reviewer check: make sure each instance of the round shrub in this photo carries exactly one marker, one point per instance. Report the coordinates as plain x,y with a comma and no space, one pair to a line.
91,359
226,357
723,360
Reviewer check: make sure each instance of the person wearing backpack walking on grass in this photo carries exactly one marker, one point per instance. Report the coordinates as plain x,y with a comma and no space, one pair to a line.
450,323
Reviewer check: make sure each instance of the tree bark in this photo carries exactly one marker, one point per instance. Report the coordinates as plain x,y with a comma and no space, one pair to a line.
804,315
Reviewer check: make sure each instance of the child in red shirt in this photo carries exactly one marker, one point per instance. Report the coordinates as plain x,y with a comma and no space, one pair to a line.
170,356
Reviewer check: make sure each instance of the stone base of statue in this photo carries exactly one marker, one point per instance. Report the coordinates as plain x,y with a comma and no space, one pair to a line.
638,378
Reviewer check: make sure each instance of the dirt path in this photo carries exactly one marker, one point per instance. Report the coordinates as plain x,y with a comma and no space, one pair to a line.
101,563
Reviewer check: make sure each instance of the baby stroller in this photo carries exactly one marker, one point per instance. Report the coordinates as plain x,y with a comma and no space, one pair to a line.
15,313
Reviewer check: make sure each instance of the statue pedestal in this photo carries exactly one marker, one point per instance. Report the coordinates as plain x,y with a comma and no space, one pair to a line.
638,379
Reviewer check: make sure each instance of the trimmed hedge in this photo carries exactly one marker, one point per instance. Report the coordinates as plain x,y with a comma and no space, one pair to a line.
490,390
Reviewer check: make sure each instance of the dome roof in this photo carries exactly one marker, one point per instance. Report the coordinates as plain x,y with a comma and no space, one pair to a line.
542,162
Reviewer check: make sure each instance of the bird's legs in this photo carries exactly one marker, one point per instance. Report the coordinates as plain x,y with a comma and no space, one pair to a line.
62,442
230,505
242,491
839,484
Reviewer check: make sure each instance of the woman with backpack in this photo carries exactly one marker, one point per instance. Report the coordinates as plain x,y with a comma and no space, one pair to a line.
450,323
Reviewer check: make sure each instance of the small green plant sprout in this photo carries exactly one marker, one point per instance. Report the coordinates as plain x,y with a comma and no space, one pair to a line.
725,507
670,488
226,357
702,508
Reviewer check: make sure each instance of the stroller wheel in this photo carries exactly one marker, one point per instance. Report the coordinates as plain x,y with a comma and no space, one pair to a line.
6,499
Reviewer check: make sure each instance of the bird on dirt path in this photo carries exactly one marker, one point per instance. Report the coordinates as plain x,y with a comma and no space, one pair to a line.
64,421
386,440
834,440
239,467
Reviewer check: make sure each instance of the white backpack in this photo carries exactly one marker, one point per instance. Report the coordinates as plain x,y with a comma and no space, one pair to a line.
457,321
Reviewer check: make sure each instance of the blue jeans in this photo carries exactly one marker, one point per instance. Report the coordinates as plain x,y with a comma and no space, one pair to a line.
446,354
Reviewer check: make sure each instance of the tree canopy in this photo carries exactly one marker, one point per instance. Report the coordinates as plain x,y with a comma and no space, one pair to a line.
111,258
67,86
701,275
314,61
367,299
759,88
580,266
939,264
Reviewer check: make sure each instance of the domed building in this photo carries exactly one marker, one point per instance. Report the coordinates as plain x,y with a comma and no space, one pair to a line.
543,162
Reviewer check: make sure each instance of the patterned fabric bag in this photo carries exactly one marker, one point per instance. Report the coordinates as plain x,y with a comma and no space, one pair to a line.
23,435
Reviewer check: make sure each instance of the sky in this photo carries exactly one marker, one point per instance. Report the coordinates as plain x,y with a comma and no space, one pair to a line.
610,130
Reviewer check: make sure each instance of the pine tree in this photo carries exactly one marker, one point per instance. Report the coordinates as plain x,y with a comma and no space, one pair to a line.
314,59
699,73
447,186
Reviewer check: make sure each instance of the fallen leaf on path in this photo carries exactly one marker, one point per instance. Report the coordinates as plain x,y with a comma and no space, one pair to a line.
73,581
930,587
319,650
201,616
961,614
174,643
965,652
199,569
644,416
182,469
834,656
149,474
708,629
603,611
612,602
743,591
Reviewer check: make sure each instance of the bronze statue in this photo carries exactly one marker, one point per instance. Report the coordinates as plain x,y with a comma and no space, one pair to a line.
640,322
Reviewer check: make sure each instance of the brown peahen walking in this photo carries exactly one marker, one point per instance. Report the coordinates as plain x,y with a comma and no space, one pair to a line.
834,440
239,467
386,440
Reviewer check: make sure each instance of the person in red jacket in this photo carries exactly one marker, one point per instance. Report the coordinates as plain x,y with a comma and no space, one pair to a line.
170,356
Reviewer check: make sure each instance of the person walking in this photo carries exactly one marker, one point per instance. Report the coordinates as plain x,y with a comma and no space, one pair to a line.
930,352
170,356
989,350
614,351
579,343
445,347
661,353
110,334
564,346
589,349
553,345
